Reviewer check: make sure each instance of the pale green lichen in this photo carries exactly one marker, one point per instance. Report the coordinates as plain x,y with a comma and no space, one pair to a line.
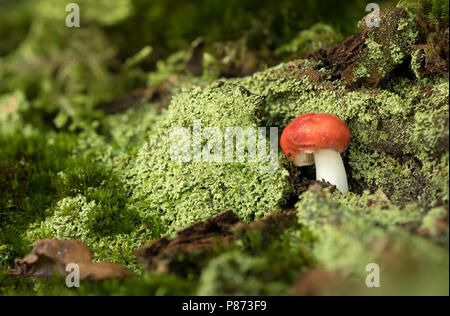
182,193
317,36
398,146
376,56
362,72
399,136
416,59
403,23
387,47
393,148
111,233
353,231
398,161
397,54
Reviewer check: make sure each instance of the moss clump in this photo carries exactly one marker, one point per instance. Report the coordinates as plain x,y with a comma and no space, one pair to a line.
399,135
66,185
387,46
398,141
29,162
182,193
242,268
90,202
237,274
352,231
430,11
307,41
90,205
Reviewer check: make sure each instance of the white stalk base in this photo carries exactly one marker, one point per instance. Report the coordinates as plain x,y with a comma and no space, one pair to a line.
330,168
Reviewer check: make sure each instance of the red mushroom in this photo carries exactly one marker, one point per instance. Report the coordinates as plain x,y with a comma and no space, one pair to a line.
318,138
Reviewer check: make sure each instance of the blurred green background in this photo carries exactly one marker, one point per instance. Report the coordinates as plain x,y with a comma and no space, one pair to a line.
126,44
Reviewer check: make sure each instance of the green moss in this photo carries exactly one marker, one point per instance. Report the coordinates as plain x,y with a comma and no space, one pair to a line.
399,136
317,36
102,220
417,60
182,193
387,47
243,267
431,11
142,285
30,162
111,182
237,274
353,231
66,186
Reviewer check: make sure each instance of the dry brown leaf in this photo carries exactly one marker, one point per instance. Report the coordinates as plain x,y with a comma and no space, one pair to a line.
53,255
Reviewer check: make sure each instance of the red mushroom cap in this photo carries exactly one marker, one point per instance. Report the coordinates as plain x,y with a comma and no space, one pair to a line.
313,131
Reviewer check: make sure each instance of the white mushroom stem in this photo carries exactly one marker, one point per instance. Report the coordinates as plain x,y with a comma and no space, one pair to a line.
304,159
330,168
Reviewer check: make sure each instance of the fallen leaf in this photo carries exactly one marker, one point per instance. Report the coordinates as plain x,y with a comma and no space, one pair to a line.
53,255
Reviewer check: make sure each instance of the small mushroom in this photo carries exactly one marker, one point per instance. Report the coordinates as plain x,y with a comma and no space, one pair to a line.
318,138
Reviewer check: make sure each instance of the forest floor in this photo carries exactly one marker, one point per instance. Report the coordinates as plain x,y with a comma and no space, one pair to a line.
99,188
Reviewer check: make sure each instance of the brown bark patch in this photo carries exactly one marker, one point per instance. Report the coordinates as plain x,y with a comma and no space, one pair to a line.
341,55
158,255
163,254
159,94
